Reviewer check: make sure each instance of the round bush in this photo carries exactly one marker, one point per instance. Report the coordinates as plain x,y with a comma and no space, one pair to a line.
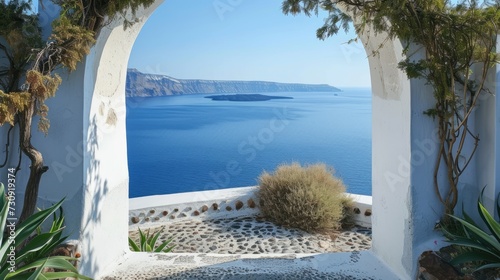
308,198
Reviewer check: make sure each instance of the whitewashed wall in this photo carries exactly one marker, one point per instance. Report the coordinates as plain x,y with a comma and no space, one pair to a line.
87,154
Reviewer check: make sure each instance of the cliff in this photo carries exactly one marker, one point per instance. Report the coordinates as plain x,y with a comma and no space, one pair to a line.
145,85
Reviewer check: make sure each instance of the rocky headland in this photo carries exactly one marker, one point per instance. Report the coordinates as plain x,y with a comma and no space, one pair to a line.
148,85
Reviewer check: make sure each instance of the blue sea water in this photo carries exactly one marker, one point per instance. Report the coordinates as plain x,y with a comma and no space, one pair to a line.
191,143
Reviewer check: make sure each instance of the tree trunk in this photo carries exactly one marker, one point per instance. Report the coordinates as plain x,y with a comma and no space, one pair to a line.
36,168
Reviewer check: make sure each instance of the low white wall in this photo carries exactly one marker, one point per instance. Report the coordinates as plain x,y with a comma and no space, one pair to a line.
215,204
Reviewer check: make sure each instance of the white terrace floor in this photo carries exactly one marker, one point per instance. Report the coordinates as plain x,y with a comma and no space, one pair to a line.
216,229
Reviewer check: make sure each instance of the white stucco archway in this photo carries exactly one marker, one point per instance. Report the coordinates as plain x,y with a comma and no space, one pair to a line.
392,147
93,163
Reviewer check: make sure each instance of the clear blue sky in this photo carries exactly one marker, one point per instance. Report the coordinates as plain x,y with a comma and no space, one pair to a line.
245,40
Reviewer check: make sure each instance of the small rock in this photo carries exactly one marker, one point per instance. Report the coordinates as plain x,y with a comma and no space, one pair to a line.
215,206
196,213
135,220
251,203
152,211
238,205
165,213
323,244
204,208
228,208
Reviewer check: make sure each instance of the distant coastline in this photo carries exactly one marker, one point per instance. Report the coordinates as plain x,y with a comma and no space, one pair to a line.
149,85
245,97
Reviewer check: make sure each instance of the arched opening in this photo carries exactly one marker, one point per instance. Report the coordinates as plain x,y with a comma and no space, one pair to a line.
183,144
188,143
395,222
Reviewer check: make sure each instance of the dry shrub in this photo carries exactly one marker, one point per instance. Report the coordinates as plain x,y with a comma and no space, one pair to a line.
308,198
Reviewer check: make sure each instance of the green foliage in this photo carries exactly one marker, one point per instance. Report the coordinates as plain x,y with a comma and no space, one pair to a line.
309,198
482,248
147,242
11,104
73,42
92,13
21,34
27,251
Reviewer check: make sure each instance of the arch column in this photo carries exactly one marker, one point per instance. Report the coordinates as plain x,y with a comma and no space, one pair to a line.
403,156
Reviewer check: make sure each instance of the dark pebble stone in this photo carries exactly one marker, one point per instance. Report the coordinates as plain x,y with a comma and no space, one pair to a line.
238,205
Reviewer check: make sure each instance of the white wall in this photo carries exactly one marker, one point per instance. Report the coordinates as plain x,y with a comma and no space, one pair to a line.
488,153
401,153
104,227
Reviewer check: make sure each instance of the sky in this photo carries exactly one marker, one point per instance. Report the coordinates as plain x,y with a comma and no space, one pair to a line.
245,40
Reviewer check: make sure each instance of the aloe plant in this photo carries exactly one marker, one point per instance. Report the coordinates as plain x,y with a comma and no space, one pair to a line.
147,242
482,247
24,254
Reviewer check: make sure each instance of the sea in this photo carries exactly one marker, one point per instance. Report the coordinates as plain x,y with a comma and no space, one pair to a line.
191,143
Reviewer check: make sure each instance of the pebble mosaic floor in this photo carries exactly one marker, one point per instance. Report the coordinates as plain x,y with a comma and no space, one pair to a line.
251,235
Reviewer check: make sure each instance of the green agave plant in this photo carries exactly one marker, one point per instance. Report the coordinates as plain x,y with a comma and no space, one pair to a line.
147,242
24,250
483,248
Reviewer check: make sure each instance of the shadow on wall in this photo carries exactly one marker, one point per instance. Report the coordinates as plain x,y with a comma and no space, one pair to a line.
96,189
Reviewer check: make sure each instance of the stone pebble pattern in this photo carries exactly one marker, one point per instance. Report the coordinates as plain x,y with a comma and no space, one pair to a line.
235,267
254,235
167,214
